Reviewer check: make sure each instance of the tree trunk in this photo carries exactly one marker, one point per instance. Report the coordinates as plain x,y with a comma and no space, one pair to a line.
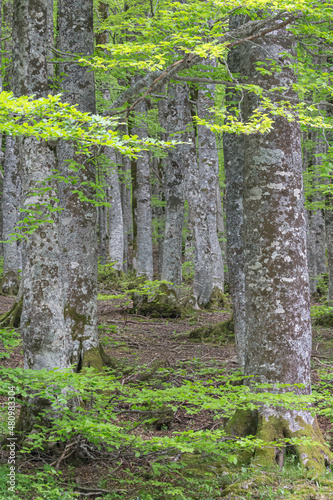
278,326
116,226
197,219
142,218
42,323
102,233
78,219
10,210
172,111
209,176
233,149
316,220
125,190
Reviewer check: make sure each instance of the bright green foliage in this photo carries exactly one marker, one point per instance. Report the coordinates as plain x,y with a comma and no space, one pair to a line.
104,421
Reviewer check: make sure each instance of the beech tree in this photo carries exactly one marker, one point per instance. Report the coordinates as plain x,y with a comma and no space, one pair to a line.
78,219
275,261
42,324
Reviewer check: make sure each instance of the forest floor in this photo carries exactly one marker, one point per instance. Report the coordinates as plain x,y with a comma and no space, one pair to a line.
143,341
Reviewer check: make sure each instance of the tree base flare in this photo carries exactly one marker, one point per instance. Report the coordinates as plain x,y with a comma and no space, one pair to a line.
280,427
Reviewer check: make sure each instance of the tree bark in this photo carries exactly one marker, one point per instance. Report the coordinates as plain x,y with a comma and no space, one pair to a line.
209,175
197,214
278,326
10,209
116,224
316,220
142,216
42,324
125,183
78,219
172,118
233,149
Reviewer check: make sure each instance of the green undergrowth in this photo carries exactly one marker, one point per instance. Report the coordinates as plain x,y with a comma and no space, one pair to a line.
128,424
137,295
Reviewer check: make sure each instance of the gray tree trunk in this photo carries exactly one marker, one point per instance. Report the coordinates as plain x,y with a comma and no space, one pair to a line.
172,111
316,220
233,149
142,216
42,323
209,176
10,209
125,190
276,275
116,225
102,233
329,243
203,282
78,219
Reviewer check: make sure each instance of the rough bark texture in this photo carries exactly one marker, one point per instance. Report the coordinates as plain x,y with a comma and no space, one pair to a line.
329,243
102,233
172,118
209,175
78,219
197,219
276,276
316,220
42,323
125,190
233,149
116,225
10,209
142,216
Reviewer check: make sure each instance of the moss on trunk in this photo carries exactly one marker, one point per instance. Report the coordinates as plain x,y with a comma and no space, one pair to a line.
313,454
12,318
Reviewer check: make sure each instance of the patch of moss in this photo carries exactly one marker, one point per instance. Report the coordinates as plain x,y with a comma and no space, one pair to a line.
165,304
12,318
221,332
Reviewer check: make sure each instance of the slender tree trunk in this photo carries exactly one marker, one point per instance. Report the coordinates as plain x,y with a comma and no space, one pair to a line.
125,190
316,220
102,233
42,325
197,219
142,217
233,149
116,226
173,121
278,326
78,219
10,208
209,175
329,243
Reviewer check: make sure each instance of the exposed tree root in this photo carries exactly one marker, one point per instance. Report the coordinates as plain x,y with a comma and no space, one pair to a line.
12,318
221,332
280,426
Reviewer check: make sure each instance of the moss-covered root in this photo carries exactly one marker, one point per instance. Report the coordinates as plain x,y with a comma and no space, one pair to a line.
165,304
313,453
12,318
221,332
97,358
